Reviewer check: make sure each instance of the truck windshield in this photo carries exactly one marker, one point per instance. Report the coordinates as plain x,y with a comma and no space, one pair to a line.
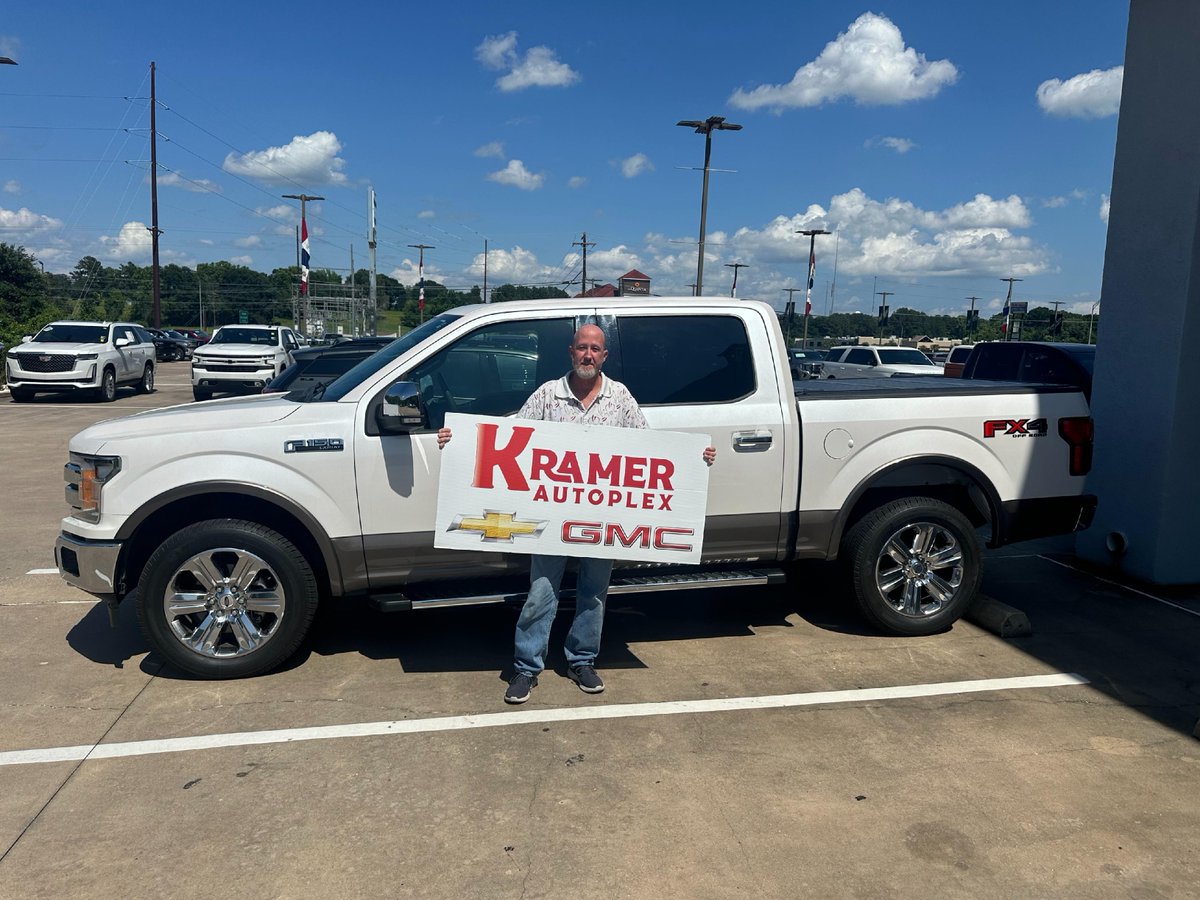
267,337
69,333
335,390
903,357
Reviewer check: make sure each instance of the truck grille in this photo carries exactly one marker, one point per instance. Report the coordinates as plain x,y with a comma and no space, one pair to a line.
213,365
46,362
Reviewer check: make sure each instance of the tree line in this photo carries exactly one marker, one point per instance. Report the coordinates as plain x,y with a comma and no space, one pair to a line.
29,298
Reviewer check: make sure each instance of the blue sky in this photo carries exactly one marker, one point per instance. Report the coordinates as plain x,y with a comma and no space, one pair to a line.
949,145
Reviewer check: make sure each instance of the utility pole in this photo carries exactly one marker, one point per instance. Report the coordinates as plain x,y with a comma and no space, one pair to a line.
789,312
812,273
373,298
304,254
584,244
1007,309
735,267
706,128
971,317
421,276
154,230
883,310
354,320
485,260
693,287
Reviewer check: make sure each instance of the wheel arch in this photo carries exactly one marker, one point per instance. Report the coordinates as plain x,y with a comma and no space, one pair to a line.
150,525
946,478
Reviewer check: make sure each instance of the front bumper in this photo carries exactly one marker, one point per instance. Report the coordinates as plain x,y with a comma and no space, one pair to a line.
88,565
244,379
82,377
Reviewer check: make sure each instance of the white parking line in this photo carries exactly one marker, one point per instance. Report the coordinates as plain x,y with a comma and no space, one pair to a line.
42,572
529,717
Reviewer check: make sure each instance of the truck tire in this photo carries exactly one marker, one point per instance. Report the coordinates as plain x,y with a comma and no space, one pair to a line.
915,565
226,598
107,392
20,395
146,385
201,394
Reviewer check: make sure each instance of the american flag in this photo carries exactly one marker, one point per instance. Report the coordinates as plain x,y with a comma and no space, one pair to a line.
303,257
812,274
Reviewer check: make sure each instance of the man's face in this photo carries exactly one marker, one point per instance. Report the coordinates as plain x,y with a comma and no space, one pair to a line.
587,352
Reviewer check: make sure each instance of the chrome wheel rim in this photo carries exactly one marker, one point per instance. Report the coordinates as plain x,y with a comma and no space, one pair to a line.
224,603
920,570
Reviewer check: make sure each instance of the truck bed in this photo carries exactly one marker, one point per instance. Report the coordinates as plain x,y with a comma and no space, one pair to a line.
918,386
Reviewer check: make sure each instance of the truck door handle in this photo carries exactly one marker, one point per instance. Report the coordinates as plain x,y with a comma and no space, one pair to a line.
751,438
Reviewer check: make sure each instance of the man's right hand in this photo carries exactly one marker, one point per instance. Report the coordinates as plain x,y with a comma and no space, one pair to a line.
444,435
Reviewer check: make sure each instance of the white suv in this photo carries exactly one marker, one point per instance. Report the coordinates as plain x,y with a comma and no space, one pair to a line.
241,359
82,356
878,362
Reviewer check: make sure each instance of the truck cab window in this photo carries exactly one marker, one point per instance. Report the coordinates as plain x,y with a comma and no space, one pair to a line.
684,359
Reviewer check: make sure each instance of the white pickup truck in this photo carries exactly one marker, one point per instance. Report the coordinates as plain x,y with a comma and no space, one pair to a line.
232,520
241,359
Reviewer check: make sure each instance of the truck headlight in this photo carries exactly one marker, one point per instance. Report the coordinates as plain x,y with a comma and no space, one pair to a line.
86,476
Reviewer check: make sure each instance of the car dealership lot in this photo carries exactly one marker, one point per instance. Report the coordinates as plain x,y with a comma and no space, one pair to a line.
722,774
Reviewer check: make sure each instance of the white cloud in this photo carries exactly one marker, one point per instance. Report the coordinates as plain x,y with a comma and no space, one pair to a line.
899,144
24,223
491,149
516,175
287,217
635,165
1054,202
12,186
539,67
306,160
1091,95
867,63
195,185
576,181
426,214
132,243
1104,208
252,240
242,260
517,266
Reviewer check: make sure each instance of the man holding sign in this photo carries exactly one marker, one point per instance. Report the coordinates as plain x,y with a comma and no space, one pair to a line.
587,397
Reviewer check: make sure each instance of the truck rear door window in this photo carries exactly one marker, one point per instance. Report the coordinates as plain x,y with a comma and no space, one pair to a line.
685,359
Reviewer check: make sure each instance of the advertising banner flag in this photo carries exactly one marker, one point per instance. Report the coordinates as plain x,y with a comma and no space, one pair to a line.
523,486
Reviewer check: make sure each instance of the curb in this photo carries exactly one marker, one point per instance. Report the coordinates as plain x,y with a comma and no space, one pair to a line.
999,618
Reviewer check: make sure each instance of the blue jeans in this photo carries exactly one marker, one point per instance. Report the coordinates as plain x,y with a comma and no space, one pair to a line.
537,615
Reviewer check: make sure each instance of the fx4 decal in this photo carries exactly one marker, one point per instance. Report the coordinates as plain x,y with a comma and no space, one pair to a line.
1015,427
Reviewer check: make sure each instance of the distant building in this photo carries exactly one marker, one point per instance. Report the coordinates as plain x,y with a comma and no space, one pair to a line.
632,284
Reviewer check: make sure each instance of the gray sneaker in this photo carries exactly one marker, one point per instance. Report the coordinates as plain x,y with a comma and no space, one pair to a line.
587,679
520,686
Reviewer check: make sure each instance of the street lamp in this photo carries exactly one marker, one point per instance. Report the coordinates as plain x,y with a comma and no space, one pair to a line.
735,267
812,272
706,128
1091,313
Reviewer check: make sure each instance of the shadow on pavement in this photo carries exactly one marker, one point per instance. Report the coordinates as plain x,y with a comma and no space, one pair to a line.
93,638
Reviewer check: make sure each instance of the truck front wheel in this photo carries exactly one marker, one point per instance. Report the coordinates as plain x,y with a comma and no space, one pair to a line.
107,392
226,598
915,565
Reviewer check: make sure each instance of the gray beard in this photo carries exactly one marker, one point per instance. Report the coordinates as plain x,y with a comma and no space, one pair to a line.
587,373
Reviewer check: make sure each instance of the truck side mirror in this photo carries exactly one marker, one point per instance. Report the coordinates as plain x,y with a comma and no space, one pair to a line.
26,338
122,342
401,410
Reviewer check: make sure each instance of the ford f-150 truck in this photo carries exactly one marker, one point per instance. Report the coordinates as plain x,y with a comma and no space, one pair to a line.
229,522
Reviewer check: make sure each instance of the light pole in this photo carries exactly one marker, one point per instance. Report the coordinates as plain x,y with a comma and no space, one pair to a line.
706,128
812,273
421,278
735,267
1091,313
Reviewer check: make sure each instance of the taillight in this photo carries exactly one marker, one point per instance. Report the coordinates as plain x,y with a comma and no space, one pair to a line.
1078,432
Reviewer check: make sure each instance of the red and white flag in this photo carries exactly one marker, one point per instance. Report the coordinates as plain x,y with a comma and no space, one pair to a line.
812,274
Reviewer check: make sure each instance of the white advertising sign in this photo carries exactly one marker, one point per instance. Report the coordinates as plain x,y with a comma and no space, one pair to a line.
522,486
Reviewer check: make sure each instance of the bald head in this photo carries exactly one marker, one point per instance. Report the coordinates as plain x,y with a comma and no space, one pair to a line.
588,353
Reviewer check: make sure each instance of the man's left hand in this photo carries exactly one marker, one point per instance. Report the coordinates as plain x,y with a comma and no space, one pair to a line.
710,455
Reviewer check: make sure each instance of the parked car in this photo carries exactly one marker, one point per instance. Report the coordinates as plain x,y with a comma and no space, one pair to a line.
806,364
955,359
312,366
169,346
241,359
82,356
877,362
1033,361
331,340
200,337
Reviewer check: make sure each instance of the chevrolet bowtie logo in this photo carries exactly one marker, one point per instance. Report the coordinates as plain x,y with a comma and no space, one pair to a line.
497,526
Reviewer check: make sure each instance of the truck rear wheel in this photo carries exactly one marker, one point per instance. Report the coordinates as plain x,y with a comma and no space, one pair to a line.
915,565
226,598
146,385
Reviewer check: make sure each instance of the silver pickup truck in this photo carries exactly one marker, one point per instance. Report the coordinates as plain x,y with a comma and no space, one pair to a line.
231,521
